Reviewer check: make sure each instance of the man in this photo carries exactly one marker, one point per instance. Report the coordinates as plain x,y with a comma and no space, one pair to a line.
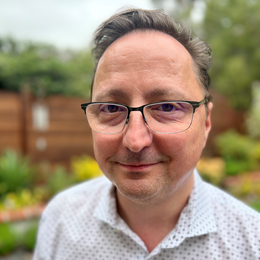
150,115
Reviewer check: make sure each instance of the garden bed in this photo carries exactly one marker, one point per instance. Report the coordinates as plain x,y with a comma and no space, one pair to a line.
21,214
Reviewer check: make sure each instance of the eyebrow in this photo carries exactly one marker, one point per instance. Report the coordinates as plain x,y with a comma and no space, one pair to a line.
112,93
160,93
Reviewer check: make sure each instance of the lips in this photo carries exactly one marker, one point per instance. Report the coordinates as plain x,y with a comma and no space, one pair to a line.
137,167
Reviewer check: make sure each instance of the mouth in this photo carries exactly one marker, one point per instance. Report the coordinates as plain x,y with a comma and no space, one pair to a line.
137,167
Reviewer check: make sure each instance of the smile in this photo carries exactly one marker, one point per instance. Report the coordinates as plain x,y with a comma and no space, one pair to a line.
137,167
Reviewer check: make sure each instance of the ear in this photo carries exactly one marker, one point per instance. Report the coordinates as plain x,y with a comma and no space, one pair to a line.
208,121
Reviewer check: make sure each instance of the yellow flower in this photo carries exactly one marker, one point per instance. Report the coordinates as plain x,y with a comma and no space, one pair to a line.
85,167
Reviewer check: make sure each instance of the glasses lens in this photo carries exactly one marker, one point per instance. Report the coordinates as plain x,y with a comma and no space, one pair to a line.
169,117
106,117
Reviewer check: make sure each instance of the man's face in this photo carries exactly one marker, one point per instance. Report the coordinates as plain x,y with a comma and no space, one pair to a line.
141,68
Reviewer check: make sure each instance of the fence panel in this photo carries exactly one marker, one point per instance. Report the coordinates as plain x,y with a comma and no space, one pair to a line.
66,135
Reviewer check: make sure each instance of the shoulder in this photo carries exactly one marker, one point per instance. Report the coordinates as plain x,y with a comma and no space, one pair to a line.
69,216
86,195
234,218
237,224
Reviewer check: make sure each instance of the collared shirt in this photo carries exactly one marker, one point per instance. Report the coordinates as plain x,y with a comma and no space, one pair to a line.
83,223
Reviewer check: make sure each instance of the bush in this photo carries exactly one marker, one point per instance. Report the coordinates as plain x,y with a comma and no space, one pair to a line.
253,117
15,172
238,151
30,236
255,205
7,239
20,199
59,180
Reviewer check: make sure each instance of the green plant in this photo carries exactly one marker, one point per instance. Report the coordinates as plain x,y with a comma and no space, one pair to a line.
7,239
15,172
255,205
21,199
253,117
30,236
238,151
59,180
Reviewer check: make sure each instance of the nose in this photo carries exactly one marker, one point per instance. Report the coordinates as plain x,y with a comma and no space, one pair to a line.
137,134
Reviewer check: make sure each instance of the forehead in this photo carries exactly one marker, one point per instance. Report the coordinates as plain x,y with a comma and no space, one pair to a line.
145,62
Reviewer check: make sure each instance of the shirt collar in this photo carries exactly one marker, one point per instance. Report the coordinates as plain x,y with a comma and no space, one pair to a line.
106,209
196,219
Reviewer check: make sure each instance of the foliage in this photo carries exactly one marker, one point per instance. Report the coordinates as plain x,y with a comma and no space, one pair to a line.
7,239
243,186
44,68
253,118
238,151
29,240
21,199
19,189
178,9
231,29
59,180
85,167
255,205
18,235
212,169
15,172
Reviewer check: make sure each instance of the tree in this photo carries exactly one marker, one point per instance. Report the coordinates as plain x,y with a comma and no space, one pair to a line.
46,69
179,10
231,27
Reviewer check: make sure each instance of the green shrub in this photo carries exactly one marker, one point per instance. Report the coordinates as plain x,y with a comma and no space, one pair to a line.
24,198
235,166
59,180
7,239
30,236
255,205
238,151
15,172
253,116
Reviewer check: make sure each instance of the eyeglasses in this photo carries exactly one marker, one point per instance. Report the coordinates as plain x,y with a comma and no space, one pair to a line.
162,117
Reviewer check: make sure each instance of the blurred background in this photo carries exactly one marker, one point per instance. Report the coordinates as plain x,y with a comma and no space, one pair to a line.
45,74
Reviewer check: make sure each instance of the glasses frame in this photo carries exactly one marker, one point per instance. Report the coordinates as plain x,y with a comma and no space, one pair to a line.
194,104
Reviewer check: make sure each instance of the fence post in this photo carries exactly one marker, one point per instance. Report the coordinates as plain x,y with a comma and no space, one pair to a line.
25,106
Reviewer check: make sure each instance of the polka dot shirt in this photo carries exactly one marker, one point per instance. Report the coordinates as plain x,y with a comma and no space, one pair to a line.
82,223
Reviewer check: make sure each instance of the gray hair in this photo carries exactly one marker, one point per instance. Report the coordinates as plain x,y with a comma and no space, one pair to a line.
131,20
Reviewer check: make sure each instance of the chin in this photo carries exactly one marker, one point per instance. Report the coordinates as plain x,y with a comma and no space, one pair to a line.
138,190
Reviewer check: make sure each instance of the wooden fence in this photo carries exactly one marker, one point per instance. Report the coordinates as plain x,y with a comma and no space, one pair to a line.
67,132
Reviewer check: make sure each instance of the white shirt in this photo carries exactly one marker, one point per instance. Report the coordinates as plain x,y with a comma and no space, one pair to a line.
82,223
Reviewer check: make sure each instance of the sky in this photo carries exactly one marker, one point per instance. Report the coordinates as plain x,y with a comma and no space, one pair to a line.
63,23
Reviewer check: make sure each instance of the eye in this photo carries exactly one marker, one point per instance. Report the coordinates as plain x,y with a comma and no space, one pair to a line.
111,108
167,107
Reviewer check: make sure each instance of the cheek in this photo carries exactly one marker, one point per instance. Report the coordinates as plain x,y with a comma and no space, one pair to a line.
183,147
104,146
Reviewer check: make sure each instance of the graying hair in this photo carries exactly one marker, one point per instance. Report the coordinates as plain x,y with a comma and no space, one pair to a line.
131,20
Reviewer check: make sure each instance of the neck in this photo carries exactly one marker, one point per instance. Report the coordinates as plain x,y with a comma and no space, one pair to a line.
153,221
